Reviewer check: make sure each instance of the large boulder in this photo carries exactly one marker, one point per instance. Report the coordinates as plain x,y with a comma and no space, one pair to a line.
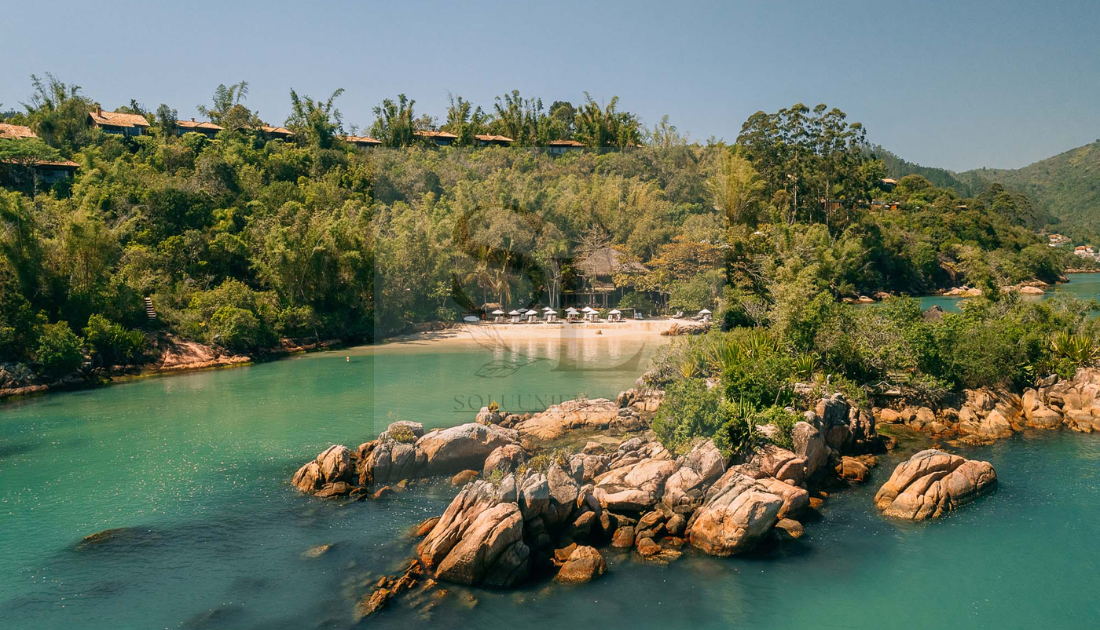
932,483
583,565
780,463
505,458
700,468
479,538
809,444
466,446
598,413
391,461
737,514
636,487
335,465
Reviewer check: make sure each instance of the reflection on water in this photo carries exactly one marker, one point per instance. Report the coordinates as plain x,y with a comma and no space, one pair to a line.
200,463
197,467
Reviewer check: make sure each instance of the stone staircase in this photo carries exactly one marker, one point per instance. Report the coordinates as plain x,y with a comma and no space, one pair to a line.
149,310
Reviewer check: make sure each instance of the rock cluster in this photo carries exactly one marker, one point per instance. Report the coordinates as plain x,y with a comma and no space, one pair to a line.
402,452
522,512
932,483
984,414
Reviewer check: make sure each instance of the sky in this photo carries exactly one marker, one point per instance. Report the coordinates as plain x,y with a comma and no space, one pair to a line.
956,84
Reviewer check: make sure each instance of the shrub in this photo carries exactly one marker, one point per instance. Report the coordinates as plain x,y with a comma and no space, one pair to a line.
783,421
689,411
402,434
111,344
235,328
59,350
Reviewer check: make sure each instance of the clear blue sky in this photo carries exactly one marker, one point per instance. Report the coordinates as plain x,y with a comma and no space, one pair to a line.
944,83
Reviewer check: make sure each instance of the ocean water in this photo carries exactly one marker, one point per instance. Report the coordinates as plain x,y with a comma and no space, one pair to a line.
1083,285
196,467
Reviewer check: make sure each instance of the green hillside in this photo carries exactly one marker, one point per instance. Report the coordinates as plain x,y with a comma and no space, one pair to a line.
1066,185
898,167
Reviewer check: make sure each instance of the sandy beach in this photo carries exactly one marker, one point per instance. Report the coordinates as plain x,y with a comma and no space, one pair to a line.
464,332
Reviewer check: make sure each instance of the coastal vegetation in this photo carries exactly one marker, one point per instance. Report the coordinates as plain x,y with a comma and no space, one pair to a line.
812,345
248,241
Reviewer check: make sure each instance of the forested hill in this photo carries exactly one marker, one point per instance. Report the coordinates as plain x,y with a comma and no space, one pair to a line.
1066,185
898,167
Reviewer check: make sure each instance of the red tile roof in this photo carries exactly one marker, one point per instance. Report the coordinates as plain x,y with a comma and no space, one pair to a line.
435,134
361,140
279,131
491,138
116,119
15,131
191,124
564,143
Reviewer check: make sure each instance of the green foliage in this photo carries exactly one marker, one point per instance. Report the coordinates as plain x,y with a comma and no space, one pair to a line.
111,344
59,350
690,410
402,434
783,421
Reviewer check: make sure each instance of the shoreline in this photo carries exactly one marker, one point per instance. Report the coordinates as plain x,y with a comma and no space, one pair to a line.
483,332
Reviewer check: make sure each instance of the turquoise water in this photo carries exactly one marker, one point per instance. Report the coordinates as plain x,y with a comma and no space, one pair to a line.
197,465
1083,285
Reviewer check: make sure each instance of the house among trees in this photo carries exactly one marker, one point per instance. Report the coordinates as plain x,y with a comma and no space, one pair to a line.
558,147
15,132
487,140
363,142
118,123
50,172
276,133
441,138
599,267
207,129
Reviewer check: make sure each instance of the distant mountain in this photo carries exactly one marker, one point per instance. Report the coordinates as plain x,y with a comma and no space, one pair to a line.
1066,185
897,167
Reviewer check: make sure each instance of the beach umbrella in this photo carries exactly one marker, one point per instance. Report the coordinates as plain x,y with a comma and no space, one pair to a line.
498,312
532,312
616,312
550,309
571,311
513,312
704,312
589,309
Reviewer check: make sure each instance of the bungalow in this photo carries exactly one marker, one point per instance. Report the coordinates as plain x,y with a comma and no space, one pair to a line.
53,172
363,142
558,147
117,123
14,132
486,140
276,133
441,138
207,129
888,184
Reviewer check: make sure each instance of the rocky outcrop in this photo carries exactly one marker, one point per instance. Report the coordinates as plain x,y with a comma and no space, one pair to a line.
932,483
986,414
737,514
479,538
403,451
505,458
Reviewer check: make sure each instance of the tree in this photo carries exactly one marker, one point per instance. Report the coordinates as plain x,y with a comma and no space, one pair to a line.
600,127
394,122
465,121
737,189
58,113
167,120
315,121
